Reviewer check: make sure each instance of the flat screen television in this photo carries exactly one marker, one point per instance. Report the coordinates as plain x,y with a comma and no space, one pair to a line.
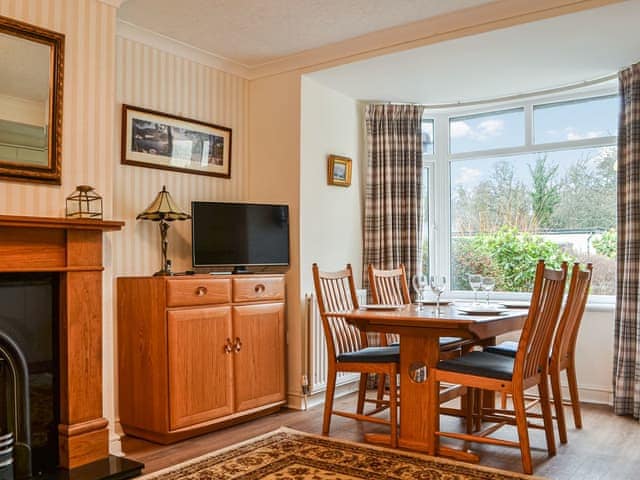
239,235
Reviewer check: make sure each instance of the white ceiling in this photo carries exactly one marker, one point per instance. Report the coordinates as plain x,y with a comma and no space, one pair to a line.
254,32
529,57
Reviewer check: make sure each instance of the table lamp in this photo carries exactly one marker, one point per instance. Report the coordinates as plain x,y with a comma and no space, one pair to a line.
163,209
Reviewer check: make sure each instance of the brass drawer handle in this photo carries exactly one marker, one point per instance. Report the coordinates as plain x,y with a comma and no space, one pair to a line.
259,289
201,291
228,346
237,345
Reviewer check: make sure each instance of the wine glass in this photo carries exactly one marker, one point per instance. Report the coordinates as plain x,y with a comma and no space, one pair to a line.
438,284
475,282
487,285
420,283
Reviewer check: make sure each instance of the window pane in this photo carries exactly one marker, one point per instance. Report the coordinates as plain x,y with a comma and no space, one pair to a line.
508,212
427,136
577,120
487,131
425,222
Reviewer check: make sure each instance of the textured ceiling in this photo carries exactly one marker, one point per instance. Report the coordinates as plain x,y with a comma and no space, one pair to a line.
539,55
254,32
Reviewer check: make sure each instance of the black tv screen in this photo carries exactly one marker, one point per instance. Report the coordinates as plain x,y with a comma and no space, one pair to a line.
239,234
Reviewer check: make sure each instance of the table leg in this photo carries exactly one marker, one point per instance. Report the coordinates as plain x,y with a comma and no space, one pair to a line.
419,406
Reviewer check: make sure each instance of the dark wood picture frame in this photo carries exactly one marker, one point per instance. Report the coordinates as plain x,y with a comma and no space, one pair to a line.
339,171
160,145
51,172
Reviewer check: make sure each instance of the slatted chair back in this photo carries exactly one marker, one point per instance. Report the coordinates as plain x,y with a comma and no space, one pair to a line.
567,333
532,357
389,286
336,293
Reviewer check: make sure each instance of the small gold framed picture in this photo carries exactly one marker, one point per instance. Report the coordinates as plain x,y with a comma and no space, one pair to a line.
339,171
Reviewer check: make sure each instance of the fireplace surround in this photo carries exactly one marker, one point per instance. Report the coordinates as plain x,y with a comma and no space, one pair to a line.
73,249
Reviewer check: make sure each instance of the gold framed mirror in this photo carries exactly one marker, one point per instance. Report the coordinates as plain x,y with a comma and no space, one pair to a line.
31,85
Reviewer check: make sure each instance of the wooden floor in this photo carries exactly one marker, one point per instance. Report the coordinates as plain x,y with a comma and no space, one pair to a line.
608,447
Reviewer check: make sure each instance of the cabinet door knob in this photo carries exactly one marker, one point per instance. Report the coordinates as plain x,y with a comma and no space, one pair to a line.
228,346
201,291
259,289
237,344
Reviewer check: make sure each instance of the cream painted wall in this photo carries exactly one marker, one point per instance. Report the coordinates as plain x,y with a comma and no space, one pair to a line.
274,176
330,216
594,354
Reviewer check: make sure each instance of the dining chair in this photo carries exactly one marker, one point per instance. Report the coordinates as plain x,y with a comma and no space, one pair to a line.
563,348
348,350
504,374
391,287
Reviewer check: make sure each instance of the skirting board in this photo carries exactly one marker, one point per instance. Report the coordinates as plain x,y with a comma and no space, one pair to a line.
296,400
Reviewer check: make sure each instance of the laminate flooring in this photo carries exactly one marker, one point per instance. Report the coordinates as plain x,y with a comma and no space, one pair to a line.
607,447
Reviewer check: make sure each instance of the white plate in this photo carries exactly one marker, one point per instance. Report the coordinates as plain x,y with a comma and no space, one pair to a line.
443,303
481,309
380,306
517,304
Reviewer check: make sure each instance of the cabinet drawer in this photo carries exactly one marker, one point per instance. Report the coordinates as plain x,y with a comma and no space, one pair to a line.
258,288
194,291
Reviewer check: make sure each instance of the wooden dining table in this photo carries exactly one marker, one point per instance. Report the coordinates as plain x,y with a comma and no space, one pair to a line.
420,330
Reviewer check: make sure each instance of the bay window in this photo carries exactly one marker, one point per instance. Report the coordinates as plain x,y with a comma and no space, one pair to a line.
509,184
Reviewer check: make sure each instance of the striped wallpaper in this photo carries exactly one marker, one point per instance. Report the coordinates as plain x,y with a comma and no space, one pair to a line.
89,99
158,80
101,72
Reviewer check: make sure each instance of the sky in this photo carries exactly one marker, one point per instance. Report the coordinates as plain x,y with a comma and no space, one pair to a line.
558,123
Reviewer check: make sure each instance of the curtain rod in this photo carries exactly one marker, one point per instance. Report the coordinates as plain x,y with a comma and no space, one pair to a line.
520,96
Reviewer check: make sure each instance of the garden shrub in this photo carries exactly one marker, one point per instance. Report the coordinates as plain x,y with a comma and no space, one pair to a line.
508,255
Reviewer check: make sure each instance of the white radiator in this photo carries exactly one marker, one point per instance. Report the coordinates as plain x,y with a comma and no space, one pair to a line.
316,357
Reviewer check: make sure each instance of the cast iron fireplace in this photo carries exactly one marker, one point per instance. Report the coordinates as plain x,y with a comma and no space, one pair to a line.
29,370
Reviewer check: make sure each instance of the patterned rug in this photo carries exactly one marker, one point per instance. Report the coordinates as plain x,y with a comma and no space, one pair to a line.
291,455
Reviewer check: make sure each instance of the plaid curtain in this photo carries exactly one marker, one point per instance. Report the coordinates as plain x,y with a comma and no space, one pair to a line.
393,194
626,375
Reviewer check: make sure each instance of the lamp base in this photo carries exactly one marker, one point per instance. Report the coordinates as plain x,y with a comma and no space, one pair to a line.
163,273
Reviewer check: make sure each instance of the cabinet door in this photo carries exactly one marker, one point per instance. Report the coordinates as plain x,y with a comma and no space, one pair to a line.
259,363
200,371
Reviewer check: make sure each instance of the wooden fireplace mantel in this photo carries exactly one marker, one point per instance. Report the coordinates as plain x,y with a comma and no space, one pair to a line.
72,247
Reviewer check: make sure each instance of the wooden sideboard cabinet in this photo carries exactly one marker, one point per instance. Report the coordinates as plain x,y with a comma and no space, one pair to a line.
197,353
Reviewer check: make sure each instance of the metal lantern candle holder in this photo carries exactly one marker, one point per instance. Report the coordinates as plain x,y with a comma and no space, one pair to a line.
84,202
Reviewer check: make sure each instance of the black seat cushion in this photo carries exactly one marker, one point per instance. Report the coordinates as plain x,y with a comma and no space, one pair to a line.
390,354
505,348
483,364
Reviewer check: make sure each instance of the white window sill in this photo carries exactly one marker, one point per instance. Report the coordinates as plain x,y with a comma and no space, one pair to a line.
596,303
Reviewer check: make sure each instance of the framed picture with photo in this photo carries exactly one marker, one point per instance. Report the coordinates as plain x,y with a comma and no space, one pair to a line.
339,171
169,142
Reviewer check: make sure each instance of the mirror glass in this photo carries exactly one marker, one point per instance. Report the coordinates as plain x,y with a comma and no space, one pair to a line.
24,101
31,77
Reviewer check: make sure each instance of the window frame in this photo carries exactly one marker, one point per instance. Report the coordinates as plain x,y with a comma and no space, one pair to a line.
439,165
